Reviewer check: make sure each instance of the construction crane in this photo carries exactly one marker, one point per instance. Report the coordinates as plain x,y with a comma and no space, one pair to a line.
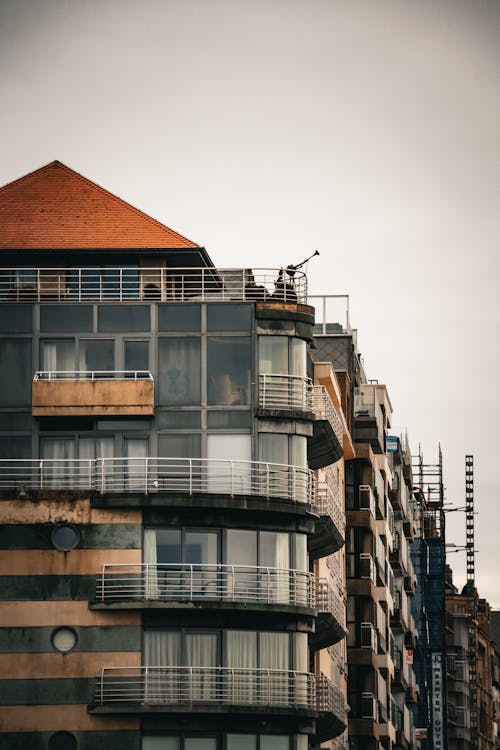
470,588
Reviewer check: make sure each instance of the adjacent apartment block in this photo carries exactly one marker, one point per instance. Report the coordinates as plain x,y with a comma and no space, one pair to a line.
173,466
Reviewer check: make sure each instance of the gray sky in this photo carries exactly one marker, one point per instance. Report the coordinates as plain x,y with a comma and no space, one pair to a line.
367,129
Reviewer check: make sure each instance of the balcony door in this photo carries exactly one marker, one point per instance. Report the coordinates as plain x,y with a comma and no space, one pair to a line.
136,473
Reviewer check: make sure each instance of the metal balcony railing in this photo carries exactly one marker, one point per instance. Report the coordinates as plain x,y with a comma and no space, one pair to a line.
367,499
323,408
205,582
128,283
327,600
51,375
154,475
222,686
369,636
367,567
327,503
329,699
285,392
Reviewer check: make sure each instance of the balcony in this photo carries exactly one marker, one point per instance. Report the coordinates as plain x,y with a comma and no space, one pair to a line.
156,477
133,283
175,585
326,445
330,621
188,690
93,393
285,394
329,530
368,418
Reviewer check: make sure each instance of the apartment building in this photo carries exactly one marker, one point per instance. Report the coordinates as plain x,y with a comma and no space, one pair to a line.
379,516
471,676
173,464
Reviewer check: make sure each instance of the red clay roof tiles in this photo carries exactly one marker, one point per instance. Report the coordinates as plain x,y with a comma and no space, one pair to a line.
56,208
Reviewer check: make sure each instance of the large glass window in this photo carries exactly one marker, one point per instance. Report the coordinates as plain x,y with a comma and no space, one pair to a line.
96,355
104,282
283,449
58,355
282,355
229,370
136,356
16,372
179,365
229,468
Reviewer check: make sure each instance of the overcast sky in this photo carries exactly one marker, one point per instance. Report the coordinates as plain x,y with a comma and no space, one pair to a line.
263,130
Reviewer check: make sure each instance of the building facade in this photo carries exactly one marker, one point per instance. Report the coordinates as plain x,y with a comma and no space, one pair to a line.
172,470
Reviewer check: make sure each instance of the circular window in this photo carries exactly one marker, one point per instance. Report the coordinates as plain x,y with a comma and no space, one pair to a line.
65,537
64,640
62,741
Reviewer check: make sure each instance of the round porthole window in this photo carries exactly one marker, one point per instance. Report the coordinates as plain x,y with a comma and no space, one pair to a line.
64,640
64,536
62,741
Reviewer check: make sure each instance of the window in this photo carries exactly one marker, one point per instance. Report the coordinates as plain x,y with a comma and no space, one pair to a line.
229,370
103,282
16,372
179,367
58,356
136,356
96,355
282,355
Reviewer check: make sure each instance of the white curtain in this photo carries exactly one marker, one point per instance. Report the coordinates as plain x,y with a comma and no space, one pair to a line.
241,654
232,471
162,649
60,468
274,655
274,553
136,451
58,356
151,590
201,651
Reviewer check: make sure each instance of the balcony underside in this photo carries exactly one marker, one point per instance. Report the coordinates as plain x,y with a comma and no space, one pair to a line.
324,447
366,430
178,499
207,605
329,630
326,539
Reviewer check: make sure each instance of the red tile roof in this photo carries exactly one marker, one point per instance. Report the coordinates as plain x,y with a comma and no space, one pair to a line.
56,208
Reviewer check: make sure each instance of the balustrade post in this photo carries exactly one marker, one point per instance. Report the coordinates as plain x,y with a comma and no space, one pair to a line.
41,467
146,467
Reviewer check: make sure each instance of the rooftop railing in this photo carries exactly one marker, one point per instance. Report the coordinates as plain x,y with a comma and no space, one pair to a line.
323,409
218,686
51,375
332,314
205,582
129,283
156,475
285,392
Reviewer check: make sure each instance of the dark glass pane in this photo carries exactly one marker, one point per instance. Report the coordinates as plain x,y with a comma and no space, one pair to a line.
229,363
224,419
179,419
15,421
168,546
16,372
15,446
179,371
70,318
229,317
15,318
97,355
179,446
179,318
136,355
123,318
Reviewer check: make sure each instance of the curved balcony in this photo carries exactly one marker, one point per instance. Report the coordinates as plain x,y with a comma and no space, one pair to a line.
329,533
285,393
156,476
131,283
326,445
147,690
330,621
172,585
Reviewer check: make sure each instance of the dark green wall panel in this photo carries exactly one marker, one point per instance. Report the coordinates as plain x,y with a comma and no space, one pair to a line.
95,638
46,692
93,536
46,588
